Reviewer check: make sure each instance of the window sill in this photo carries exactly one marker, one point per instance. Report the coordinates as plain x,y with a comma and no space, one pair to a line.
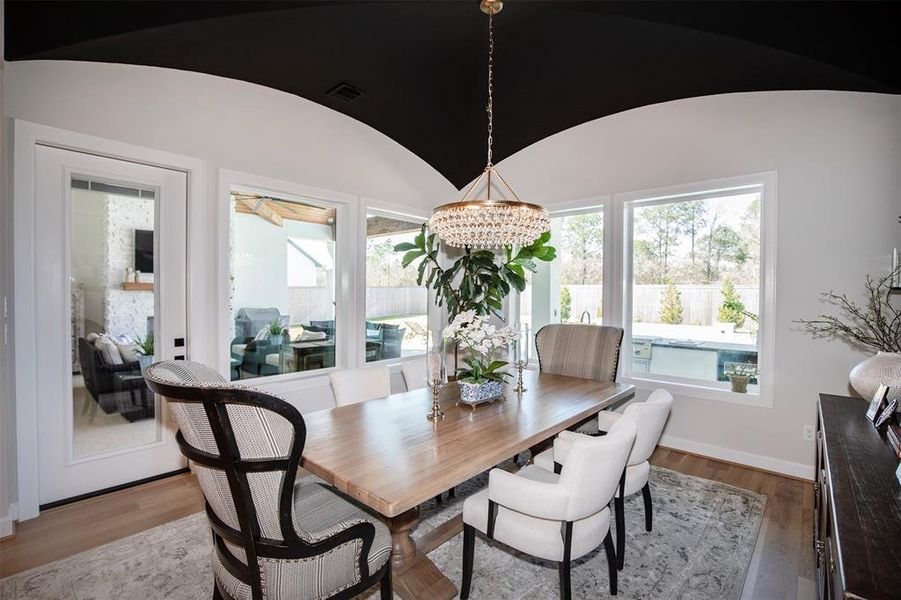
758,397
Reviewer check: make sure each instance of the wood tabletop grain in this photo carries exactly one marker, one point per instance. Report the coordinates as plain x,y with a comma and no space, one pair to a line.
387,455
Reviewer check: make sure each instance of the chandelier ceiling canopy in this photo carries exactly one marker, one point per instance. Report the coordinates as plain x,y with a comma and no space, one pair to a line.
489,222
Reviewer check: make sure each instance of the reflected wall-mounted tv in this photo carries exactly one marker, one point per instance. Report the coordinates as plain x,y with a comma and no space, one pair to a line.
143,251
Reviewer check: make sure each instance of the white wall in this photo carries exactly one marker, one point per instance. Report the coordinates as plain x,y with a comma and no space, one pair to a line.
837,156
228,124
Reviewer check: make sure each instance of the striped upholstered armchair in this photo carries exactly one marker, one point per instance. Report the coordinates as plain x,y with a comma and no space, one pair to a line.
273,538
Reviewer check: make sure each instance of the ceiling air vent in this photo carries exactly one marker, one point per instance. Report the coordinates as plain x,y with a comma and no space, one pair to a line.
345,92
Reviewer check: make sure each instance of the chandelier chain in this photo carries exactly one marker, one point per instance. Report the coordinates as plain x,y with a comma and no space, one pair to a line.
490,107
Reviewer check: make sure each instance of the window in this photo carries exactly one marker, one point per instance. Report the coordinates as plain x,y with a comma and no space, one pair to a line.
692,298
283,299
581,272
569,289
396,308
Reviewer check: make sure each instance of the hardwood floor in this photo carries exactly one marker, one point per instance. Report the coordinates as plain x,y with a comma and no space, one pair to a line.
782,566
73,528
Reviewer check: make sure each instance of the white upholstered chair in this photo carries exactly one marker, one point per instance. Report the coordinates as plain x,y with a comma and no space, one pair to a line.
550,516
359,385
414,373
273,537
650,417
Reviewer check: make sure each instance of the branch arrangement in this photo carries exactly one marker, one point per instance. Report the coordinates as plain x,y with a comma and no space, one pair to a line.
875,325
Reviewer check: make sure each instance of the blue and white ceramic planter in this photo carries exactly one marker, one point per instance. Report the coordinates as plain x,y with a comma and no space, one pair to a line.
474,394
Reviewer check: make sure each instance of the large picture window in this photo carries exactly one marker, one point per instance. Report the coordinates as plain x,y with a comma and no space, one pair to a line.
396,308
693,297
283,298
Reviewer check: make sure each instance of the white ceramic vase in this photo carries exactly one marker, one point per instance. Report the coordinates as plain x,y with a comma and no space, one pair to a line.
884,368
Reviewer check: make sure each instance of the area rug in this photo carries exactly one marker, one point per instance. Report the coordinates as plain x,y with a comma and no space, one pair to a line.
701,546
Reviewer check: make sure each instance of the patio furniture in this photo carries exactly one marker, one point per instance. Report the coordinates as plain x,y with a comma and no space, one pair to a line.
392,340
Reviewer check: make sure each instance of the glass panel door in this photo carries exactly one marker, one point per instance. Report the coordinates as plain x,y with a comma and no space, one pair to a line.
111,300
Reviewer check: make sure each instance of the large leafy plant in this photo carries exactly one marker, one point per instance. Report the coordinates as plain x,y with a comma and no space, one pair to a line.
478,280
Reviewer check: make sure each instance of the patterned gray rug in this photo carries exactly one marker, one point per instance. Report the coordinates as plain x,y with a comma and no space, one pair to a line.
701,546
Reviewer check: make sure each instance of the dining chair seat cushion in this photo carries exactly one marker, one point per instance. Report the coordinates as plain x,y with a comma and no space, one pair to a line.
319,512
538,537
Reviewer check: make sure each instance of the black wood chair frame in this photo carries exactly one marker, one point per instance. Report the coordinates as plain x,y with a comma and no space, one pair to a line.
215,401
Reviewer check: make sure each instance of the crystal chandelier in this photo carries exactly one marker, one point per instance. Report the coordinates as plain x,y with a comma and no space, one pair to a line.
487,222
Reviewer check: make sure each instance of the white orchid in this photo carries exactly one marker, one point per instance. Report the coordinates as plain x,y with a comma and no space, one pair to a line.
482,339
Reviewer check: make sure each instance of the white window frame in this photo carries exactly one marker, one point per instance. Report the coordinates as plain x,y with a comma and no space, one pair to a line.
617,292
391,211
348,347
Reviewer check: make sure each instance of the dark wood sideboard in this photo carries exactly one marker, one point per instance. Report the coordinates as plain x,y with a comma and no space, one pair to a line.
857,533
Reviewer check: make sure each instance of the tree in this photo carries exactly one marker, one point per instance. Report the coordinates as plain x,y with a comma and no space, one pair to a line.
566,304
671,311
582,249
694,217
732,309
663,223
722,243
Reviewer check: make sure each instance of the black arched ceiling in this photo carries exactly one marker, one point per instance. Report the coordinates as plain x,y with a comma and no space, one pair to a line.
421,65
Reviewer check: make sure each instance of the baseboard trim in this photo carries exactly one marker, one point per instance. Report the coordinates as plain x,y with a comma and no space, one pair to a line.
115,488
7,522
756,461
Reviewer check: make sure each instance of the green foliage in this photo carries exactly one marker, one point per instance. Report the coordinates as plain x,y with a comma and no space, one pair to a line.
671,311
480,373
582,249
732,309
742,370
382,265
476,281
274,327
145,345
566,304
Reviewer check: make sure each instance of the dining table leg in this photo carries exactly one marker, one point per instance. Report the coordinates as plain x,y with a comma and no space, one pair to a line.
415,576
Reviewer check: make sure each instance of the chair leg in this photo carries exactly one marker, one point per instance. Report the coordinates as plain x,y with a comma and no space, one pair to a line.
648,509
469,546
612,566
619,509
565,564
385,585
565,582
451,493
438,499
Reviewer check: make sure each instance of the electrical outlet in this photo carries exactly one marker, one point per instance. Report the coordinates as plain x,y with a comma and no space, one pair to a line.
808,433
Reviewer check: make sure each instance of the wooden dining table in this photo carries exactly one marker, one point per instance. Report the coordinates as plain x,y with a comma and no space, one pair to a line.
388,456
